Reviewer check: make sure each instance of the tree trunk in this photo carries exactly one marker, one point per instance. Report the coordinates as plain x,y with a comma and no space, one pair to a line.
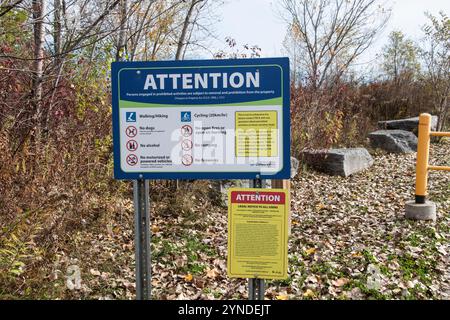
38,7
57,31
121,45
182,39
57,63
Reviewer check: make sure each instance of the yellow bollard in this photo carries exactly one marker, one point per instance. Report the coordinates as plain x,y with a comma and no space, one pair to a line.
423,153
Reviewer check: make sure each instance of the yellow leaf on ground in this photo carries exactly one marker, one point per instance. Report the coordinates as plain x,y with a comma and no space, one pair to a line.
155,229
282,297
320,206
310,251
188,277
308,293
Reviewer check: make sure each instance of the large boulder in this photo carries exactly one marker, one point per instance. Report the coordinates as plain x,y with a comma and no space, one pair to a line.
409,124
342,162
397,141
294,167
222,187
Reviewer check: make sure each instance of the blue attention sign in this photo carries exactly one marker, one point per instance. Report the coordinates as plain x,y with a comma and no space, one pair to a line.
201,119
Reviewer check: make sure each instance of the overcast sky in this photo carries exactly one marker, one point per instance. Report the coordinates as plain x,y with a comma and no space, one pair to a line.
257,22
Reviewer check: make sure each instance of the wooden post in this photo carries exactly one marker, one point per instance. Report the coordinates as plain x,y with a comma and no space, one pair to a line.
284,184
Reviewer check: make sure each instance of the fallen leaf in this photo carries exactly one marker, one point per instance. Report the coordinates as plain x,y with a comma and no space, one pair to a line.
155,229
340,282
308,293
282,297
310,251
320,206
94,272
188,277
212,273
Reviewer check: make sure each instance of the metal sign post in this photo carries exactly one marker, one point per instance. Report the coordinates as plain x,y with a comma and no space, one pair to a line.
142,239
256,286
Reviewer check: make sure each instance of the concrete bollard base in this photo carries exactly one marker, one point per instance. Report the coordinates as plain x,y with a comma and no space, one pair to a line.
420,211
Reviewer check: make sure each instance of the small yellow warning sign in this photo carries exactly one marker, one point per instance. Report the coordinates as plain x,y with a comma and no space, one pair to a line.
256,134
257,233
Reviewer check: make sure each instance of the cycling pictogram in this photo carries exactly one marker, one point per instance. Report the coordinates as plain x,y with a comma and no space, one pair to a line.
131,131
186,130
132,145
132,160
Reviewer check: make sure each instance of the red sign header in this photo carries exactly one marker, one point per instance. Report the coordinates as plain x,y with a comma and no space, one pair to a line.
264,197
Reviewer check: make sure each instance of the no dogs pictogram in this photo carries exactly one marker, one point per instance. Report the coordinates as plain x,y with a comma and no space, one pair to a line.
131,131
132,145
187,160
186,131
132,159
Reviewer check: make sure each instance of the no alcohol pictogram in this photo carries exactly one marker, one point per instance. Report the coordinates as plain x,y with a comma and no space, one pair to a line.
132,160
186,131
131,131
132,145
186,145
187,160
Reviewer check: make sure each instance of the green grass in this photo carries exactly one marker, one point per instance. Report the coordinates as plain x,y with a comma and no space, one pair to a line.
370,258
370,293
420,267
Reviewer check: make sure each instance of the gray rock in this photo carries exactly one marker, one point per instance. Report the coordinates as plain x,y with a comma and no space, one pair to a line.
409,124
342,162
294,167
397,141
223,185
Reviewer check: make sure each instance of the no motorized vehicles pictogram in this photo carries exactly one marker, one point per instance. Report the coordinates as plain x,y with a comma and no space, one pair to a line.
132,160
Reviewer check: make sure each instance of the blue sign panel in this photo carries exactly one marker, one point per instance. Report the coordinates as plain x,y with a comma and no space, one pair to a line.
201,119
